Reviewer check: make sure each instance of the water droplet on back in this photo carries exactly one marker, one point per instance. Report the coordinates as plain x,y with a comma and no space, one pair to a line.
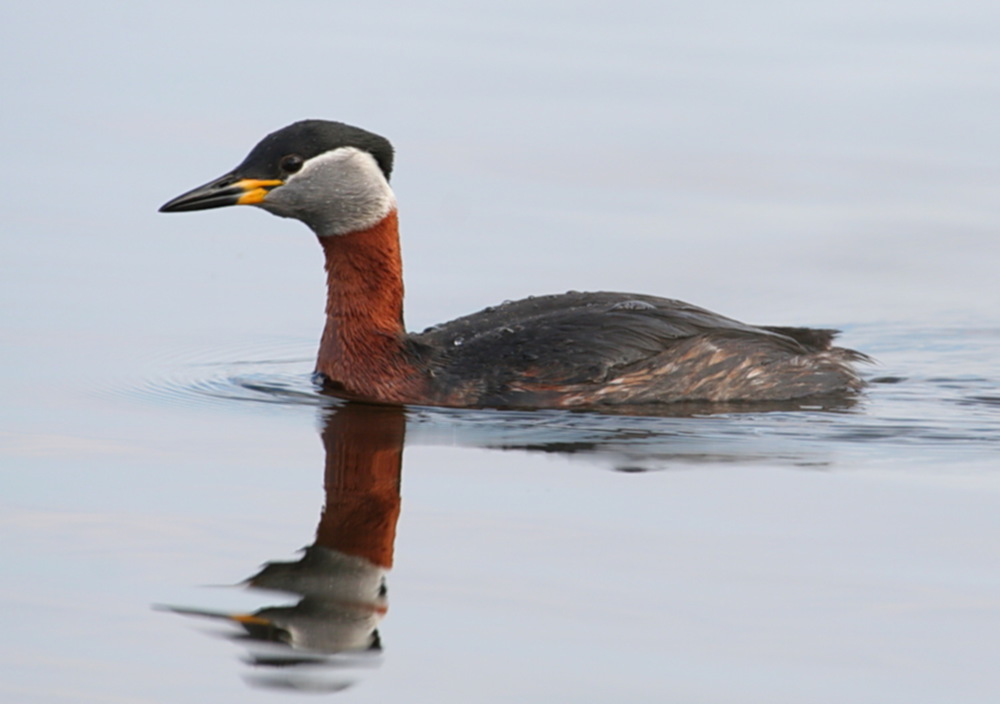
633,305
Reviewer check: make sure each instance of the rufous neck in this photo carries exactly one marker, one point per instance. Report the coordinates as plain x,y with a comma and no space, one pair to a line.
363,345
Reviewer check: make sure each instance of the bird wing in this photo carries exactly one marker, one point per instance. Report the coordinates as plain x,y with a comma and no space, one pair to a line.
576,338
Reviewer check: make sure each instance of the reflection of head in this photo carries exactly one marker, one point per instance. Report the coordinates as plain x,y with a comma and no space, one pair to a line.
341,577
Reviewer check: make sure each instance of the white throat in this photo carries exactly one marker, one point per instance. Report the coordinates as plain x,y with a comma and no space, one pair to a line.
335,193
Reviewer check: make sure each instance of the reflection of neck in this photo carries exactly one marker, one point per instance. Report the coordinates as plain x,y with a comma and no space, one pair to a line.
364,449
363,345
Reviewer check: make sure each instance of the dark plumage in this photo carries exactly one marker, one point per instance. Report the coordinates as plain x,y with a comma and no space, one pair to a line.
308,139
586,349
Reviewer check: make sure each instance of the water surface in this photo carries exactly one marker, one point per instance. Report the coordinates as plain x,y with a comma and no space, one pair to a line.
161,440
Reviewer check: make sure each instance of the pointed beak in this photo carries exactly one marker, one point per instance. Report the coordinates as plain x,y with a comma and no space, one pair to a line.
227,190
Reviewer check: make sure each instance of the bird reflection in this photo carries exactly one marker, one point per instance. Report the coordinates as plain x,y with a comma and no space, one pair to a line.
340,580
341,577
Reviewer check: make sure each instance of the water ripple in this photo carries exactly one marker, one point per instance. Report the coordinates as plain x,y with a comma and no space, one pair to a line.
275,373
940,418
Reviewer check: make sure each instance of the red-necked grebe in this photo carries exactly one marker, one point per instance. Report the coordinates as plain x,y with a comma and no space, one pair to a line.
573,350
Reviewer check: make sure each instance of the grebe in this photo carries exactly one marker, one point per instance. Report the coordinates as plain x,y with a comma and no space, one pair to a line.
574,350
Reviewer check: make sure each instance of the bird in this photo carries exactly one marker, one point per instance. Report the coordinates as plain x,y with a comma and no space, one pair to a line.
574,350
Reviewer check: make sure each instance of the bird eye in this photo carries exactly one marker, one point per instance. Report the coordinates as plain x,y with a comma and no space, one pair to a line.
291,163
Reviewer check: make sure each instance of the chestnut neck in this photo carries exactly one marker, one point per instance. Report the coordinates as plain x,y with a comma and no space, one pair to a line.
363,349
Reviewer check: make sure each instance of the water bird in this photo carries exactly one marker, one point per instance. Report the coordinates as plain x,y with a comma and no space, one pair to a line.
572,350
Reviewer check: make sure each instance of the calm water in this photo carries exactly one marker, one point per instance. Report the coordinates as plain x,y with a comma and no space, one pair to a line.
186,519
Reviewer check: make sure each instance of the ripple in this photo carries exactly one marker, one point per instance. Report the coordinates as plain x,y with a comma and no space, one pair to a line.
272,373
945,416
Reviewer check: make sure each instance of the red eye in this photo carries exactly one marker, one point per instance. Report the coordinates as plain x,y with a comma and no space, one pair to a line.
291,163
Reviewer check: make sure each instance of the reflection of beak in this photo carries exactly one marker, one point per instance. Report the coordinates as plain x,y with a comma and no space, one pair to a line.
227,190
245,619
250,620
